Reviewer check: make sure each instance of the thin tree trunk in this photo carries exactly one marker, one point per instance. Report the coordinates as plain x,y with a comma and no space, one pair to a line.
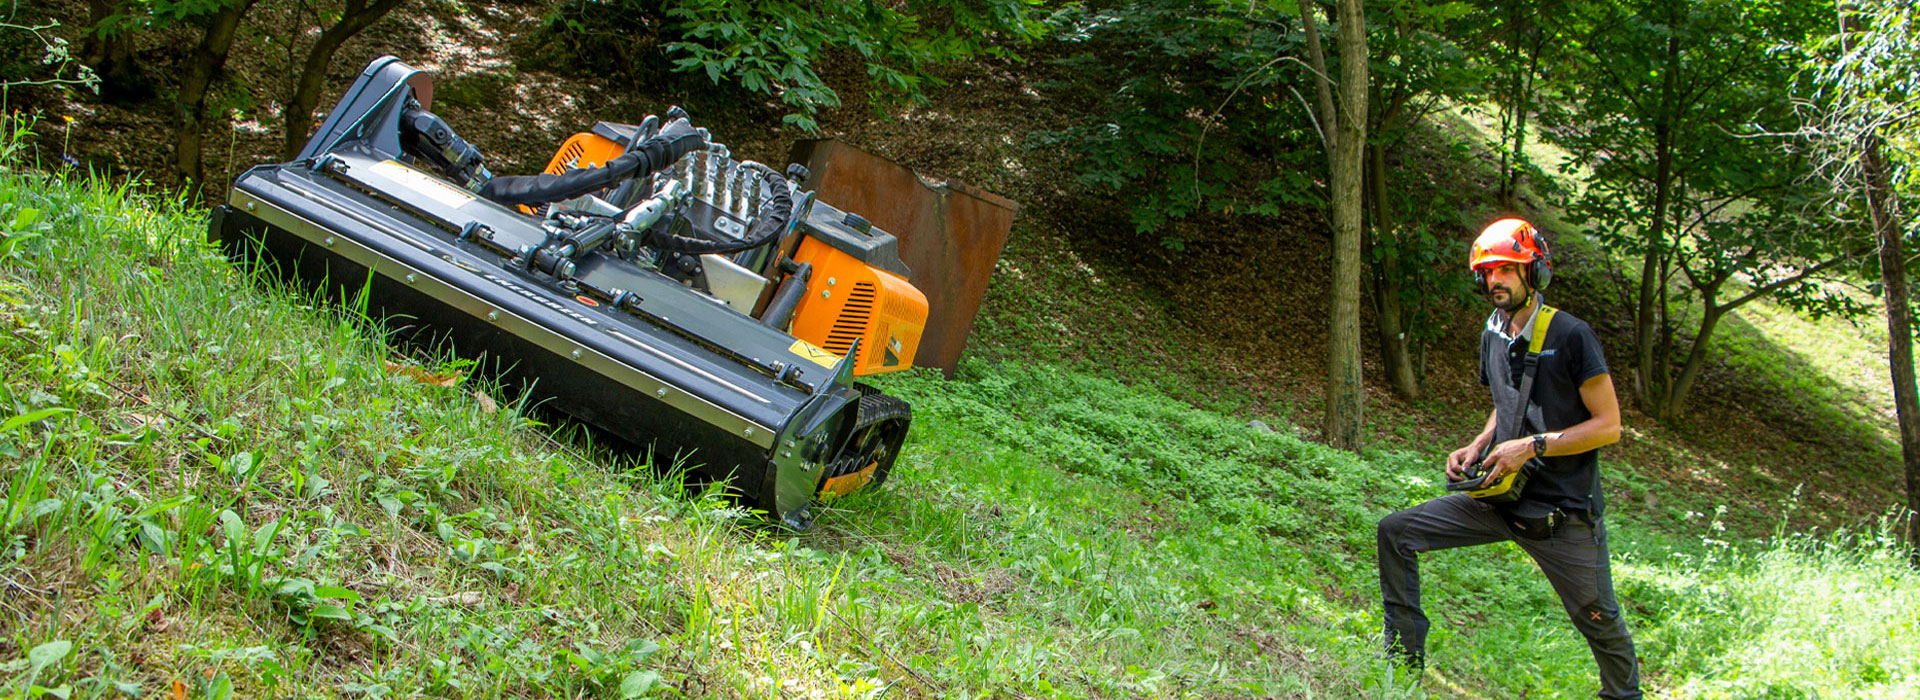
1511,98
1713,312
1677,396
1389,319
313,75
1663,349
1898,298
1510,182
1893,282
1345,391
1648,388
1322,82
205,63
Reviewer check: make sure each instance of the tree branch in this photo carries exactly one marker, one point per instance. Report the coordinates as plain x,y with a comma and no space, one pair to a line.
1804,273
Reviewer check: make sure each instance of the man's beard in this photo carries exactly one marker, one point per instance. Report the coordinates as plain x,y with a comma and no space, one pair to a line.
1513,301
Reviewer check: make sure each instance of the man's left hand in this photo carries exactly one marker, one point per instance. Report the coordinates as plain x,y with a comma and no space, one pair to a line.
1508,457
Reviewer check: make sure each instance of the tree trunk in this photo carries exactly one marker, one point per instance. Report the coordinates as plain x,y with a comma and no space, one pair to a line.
1322,81
1389,318
313,76
1893,282
111,57
1345,392
1676,400
1648,385
1510,179
1510,125
203,65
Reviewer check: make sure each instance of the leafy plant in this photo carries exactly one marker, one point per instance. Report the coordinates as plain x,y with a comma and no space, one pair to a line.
21,224
777,48
39,658
1194,110
57,65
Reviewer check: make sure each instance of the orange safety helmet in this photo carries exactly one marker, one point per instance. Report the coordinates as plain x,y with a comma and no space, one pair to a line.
1512,241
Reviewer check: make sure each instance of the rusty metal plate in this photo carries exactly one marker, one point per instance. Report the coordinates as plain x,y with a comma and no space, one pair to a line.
950,234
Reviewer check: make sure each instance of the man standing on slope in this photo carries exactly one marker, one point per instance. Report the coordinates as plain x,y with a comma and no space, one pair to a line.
1554,407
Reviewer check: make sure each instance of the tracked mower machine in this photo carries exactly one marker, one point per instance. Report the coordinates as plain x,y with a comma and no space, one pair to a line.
648,284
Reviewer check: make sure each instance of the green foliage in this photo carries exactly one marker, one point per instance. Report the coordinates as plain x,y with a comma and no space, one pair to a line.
21,223
138,16
1870,86
1416,211
1669,109
1192,109
778,48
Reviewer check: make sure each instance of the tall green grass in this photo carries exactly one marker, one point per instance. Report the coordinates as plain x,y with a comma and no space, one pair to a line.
1809,616
211,481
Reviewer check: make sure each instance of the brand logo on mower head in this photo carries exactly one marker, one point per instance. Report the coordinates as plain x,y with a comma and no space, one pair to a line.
541,299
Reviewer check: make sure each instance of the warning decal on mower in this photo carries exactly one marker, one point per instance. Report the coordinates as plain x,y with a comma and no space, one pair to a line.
445,194
814,353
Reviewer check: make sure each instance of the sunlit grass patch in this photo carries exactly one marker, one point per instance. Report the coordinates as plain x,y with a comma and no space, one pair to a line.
1849,358
1826,616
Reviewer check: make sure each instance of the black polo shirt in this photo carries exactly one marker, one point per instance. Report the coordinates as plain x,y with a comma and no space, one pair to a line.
1570,357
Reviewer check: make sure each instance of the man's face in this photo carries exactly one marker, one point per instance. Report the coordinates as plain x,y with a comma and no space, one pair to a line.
1505,287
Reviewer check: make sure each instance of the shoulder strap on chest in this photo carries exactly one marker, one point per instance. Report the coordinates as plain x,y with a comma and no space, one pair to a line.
1540,325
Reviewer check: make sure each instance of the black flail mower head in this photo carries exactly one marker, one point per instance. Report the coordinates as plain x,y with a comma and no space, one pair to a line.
647,283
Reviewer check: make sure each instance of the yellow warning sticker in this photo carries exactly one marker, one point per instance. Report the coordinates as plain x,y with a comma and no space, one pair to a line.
422,183
814,353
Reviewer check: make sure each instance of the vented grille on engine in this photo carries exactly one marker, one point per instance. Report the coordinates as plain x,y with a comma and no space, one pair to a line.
853,320
583,150
569,156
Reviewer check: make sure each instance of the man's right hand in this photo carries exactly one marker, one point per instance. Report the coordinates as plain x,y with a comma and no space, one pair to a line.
1459,460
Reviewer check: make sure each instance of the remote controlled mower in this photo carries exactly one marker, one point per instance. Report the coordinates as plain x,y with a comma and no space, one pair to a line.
703,308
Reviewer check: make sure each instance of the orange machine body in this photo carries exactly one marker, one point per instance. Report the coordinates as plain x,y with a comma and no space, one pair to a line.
849,300
584,150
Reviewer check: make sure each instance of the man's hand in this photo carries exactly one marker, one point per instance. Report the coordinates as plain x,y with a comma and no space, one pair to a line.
1508,457
1460,459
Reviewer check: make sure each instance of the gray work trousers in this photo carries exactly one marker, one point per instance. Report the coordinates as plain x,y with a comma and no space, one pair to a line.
1574,559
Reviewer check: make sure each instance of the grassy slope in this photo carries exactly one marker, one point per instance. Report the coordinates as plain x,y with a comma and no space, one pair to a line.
1049,533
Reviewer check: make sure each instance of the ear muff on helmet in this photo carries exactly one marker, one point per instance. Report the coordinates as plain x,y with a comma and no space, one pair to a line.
1542,265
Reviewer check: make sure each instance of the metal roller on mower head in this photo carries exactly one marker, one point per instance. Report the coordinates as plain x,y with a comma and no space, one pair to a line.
648,284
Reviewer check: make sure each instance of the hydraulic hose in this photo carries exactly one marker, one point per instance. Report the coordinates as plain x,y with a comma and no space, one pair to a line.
676,139
779,311
772,221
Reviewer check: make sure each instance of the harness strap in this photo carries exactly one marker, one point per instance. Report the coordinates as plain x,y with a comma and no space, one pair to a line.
1517,423
1539,339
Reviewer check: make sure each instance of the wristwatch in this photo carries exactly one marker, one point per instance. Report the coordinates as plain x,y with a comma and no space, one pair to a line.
1539,444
